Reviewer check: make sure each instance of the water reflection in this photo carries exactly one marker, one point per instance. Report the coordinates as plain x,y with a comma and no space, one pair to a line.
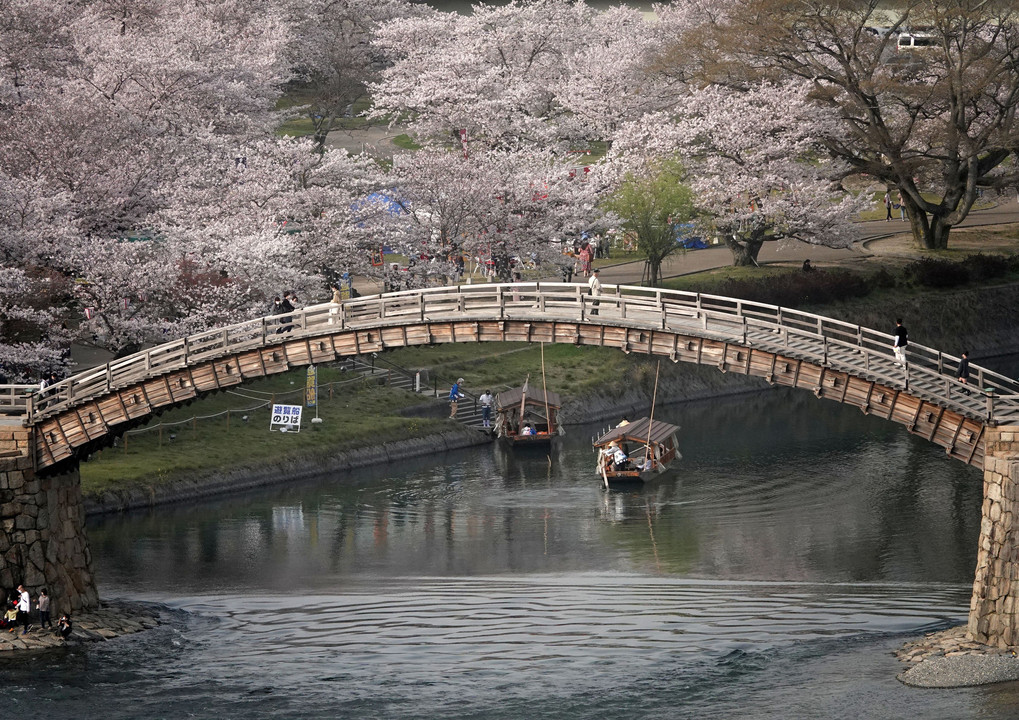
786,488
770,575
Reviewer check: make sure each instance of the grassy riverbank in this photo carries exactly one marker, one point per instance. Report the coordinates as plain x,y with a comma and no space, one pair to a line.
231,429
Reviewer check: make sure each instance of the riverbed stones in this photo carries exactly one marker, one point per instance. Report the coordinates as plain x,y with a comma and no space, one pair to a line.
99,624
43,543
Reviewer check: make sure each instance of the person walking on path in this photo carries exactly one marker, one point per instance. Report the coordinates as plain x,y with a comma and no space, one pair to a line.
486,408
899,343
888,207
902,208
24,609
595,284
963,373
454,397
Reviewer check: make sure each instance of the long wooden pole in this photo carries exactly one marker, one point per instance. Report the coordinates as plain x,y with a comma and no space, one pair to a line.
523,400
651,422
544,389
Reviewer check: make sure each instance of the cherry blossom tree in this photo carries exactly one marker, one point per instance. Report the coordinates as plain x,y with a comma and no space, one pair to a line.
334,55
936,123
105,104
755,165
545,73
492,206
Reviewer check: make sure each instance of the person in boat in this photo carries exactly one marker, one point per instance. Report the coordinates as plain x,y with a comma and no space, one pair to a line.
619,457
528,430
624,422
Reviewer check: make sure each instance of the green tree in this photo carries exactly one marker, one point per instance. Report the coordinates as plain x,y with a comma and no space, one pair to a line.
650,206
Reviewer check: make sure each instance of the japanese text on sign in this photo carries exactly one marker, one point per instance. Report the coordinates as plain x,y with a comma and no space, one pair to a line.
286,417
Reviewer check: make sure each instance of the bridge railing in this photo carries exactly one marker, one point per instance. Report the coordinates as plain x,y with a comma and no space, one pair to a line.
17,399
822,340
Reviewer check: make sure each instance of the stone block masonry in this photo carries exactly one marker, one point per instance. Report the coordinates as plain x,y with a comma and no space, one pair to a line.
994,607
43,543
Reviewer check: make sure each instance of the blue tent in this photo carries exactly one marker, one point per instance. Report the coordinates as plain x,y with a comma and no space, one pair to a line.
685,237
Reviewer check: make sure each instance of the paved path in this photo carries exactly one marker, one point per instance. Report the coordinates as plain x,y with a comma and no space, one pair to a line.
874,238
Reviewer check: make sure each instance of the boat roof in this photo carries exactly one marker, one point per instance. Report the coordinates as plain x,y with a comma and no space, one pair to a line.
637,431
535,396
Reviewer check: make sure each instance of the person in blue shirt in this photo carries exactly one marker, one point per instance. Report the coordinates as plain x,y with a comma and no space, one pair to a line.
454,397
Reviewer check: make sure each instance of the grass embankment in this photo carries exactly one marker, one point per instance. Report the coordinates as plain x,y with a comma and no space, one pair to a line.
211,432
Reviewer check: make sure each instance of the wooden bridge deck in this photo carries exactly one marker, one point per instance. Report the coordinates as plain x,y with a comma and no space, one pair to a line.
833,359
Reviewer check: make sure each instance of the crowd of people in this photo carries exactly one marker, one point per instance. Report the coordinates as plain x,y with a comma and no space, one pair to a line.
19,614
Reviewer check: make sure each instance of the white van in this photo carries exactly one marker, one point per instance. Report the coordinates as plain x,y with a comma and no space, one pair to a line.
916,40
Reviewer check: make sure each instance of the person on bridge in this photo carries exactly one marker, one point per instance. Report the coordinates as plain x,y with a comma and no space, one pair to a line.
963,373
454,397
595,284
899,343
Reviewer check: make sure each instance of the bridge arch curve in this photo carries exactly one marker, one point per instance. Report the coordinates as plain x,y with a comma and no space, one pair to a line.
830,358
834,360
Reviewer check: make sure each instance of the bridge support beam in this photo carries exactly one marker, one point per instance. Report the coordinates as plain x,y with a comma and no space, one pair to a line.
43,542
994,607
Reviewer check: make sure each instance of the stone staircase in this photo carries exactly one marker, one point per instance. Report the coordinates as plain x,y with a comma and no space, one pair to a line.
468,413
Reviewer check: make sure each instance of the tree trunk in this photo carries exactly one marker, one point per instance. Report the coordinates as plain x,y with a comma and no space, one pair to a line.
744,252
654,272
930,233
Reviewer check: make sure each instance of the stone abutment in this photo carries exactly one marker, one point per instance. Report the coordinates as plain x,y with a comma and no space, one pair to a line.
43,544
994,607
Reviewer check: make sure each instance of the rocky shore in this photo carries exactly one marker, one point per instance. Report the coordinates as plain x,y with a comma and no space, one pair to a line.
109,621
948,659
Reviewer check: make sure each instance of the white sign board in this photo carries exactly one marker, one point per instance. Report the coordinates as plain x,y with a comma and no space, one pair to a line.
286,417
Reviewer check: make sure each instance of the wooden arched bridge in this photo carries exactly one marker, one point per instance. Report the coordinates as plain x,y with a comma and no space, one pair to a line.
833,359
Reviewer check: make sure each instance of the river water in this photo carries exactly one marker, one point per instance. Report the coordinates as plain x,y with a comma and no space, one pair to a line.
772,574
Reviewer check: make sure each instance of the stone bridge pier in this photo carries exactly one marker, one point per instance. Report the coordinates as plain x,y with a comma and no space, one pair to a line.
43,543
994,607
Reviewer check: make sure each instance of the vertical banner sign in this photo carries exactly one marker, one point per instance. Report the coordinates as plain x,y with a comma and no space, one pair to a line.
286,417
311,387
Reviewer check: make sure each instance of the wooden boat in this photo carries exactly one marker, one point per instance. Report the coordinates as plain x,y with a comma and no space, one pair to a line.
650,447
523,408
